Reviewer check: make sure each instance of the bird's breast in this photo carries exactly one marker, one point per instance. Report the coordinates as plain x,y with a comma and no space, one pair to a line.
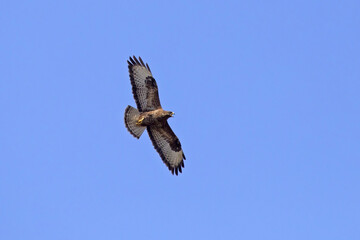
151,118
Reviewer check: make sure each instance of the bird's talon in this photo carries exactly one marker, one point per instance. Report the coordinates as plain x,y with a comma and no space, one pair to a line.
139,122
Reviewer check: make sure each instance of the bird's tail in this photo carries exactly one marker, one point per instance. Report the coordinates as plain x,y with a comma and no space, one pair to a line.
131,117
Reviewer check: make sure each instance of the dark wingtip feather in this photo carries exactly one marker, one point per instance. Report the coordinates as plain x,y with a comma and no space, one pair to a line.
132,61
137,61
142,63
148,67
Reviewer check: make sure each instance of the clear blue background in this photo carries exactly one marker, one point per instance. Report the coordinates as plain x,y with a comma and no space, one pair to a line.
267,103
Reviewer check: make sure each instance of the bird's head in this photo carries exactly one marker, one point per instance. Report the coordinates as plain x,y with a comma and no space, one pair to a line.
171,114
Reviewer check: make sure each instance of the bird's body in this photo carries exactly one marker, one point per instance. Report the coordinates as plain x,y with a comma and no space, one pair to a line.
154,118
151,116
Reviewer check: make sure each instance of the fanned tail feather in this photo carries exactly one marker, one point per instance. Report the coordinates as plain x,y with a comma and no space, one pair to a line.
131,117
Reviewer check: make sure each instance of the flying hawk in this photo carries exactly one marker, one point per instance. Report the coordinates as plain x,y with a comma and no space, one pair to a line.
151,116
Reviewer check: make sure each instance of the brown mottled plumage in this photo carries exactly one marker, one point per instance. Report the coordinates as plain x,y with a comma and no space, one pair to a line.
151,116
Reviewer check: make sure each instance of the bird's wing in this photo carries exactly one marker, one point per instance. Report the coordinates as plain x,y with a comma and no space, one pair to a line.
144,86
168,146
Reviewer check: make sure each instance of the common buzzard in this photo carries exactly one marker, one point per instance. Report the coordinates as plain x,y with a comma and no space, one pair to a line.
151,116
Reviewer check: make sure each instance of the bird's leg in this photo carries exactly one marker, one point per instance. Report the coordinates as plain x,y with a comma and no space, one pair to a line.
139,122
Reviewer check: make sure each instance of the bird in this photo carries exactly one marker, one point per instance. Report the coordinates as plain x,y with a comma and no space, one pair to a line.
151,116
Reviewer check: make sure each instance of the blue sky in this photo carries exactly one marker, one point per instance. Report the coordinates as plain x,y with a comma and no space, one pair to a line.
267,103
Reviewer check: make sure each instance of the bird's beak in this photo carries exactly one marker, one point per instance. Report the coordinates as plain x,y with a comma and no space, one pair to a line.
172,114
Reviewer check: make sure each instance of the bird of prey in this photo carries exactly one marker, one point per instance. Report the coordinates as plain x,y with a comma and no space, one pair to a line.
150,115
